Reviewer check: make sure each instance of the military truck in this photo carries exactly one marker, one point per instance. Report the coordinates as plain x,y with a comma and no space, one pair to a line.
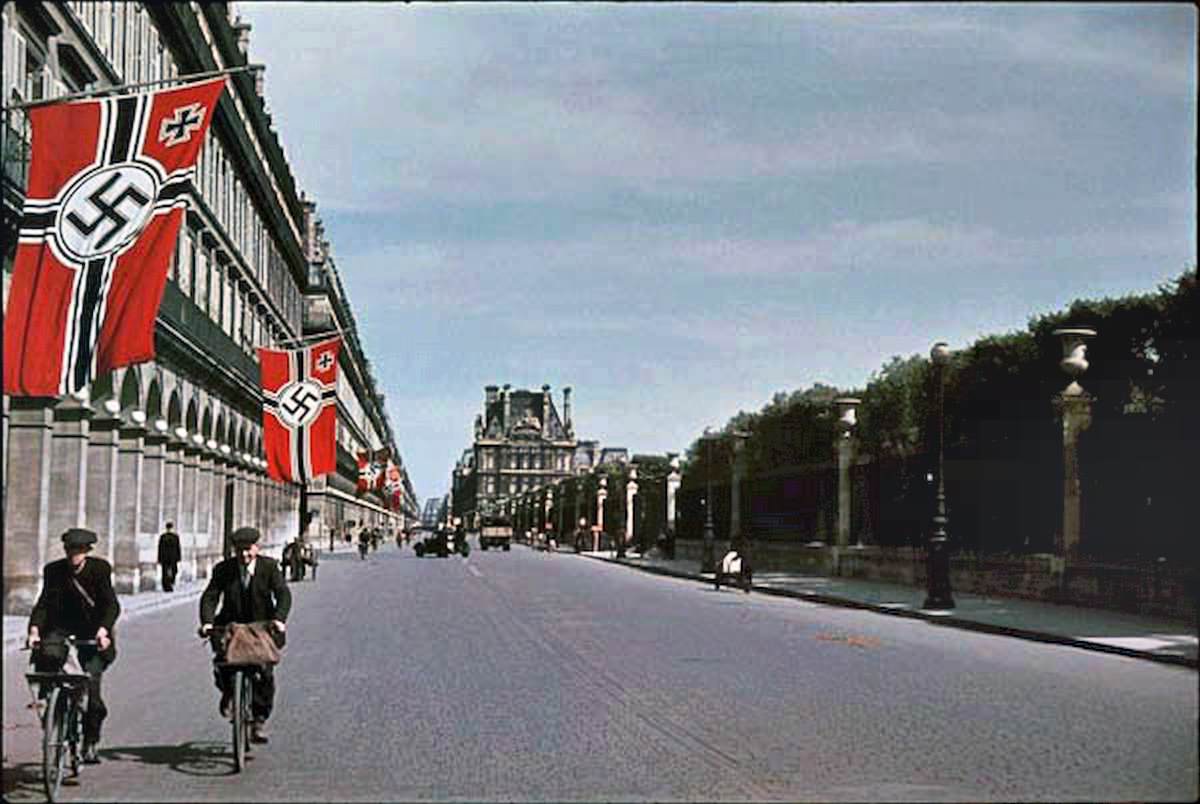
495,530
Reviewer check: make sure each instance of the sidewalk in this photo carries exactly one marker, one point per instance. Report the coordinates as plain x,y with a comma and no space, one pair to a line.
131,605
1143,637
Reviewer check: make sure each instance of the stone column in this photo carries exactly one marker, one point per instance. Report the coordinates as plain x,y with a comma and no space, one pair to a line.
173,484
128,515
101,504
631,490
189,543
30,430
221,476
68,469
847,418
1074,406
601,496
204,496
673,481
153,480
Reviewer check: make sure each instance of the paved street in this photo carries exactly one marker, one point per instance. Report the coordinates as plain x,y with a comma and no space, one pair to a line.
523,676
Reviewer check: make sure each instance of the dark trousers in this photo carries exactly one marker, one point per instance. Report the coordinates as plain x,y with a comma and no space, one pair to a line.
94,665
262,688
168,576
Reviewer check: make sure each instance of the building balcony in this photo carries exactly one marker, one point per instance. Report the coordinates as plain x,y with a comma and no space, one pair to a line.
188,323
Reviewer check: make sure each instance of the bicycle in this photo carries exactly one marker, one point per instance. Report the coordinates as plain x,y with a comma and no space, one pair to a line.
65,696
242,693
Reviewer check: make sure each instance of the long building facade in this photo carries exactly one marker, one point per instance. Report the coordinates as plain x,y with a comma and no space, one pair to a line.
179,439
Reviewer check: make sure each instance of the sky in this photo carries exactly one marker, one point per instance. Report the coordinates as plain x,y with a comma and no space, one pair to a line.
679,210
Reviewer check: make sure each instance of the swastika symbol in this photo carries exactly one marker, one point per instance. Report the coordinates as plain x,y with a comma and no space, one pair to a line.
325,362
183,122
108,210
299,403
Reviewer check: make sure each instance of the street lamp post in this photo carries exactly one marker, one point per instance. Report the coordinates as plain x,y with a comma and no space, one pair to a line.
707,559
938,595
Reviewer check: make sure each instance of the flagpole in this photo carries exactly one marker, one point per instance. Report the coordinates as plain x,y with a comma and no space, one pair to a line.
92,93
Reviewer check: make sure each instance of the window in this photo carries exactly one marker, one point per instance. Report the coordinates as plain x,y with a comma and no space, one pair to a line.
201,277
15,57
187,262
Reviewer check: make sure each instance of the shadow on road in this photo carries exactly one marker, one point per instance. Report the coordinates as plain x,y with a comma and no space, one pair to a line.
193,759
23,780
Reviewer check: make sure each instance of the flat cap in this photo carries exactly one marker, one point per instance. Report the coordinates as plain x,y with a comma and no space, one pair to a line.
78,537
244,536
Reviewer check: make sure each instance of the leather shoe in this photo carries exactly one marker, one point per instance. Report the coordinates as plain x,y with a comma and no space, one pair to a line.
90,755
226,705
258,733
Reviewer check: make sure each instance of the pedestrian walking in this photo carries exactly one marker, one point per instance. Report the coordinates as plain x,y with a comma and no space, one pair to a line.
169,556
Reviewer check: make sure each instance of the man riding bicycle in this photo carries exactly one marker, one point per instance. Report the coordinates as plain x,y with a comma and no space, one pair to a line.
77,600
250,588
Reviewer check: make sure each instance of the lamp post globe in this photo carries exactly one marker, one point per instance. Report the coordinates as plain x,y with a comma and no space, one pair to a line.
938,595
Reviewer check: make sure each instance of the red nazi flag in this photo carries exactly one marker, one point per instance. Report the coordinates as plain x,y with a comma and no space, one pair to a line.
108,185
300,410
365,473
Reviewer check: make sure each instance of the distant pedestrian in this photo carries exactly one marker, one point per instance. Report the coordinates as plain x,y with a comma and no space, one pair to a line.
169,555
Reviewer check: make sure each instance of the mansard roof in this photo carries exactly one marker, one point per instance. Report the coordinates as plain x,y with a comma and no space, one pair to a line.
528,411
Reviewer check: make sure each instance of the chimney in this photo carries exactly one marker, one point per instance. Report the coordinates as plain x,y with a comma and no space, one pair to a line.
545,410
507,407
567,409
489,396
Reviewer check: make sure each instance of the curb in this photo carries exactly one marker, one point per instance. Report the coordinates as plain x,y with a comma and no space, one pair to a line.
935,619
129,608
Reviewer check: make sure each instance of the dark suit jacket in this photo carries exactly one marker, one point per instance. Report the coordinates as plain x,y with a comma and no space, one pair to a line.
168,548
60,606
270,598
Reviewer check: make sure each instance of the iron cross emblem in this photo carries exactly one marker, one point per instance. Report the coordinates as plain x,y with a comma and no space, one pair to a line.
184,122
325,362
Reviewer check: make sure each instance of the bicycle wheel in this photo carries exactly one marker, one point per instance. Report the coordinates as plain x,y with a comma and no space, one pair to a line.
239,724
54,743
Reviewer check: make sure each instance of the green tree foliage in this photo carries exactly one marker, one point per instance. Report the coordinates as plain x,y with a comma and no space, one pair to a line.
1003,441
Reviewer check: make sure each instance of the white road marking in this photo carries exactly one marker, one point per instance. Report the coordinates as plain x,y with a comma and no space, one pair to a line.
471,569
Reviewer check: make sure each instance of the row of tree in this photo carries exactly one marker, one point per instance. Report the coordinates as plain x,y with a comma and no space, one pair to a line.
1003,440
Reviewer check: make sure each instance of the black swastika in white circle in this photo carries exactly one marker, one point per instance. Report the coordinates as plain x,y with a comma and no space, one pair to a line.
299,403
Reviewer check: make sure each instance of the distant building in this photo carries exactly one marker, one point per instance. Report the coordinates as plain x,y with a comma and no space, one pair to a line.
521,443
429,515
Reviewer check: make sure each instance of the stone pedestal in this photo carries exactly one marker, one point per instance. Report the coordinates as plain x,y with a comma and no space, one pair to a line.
631,490
128,514
27,465
845,497
673,481
1076,413
68,469
101,503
